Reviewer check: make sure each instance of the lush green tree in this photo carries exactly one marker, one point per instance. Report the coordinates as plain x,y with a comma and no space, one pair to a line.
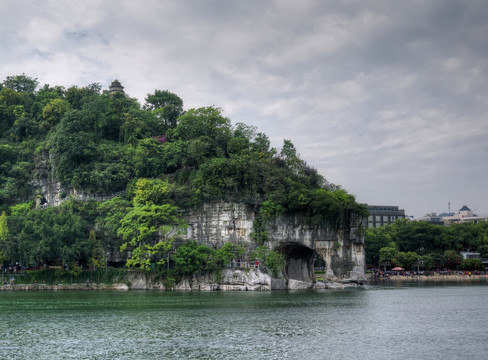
111,212
472,264
153,158
73,145
44,96
54,111
200,150
79,97
483,250
12,106
261,144
225,254
47,235
244,131
97,253
150,227
408,259
21,209
20,83
3,227
24,125
376,238
166,105
207,121
137,125
391,255
453,259
120,108
111,169
438,260
238,145
192,258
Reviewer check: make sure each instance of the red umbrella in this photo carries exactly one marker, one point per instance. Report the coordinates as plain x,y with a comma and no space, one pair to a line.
398,268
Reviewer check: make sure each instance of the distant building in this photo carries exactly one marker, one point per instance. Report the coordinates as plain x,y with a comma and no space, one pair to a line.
470,255
381,215
116,87
474,255
465,214
433,218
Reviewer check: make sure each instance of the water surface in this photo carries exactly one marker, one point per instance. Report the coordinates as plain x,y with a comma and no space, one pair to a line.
378,322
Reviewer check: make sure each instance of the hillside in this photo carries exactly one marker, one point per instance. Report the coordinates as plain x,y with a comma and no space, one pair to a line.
157,158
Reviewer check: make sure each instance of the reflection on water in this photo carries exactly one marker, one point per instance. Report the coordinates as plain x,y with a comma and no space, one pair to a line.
378,322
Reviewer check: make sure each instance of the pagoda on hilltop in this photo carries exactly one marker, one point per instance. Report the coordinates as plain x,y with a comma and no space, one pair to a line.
116,87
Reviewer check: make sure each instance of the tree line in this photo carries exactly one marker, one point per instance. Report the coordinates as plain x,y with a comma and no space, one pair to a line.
405,243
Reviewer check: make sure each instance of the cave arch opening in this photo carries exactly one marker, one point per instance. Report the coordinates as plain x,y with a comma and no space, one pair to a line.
299,261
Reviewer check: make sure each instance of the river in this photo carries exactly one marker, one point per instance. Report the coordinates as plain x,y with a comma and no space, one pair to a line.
407,321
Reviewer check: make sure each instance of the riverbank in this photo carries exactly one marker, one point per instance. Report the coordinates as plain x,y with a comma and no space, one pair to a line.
62,287
433,278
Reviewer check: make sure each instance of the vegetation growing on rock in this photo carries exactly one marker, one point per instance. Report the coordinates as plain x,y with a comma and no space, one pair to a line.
157,157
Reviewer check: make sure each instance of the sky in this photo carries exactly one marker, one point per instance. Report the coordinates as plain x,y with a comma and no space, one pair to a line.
388,99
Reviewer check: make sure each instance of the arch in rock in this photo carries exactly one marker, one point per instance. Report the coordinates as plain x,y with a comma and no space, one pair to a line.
299,261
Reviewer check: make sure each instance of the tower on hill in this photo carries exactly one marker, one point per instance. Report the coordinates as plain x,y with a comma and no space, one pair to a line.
116,87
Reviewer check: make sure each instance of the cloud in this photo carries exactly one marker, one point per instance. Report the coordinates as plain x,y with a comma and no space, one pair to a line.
388,99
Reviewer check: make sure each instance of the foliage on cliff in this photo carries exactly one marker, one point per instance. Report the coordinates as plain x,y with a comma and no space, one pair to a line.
108,144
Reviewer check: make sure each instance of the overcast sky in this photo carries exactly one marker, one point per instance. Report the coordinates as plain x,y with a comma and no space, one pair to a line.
386,98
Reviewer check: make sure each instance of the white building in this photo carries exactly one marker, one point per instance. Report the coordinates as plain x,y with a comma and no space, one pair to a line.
465,214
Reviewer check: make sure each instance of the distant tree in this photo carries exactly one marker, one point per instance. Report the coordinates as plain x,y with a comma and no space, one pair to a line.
21,83
483,250
472,264
242,130
78,97
54,111
453,259
408,259
261,143
288,151
390,254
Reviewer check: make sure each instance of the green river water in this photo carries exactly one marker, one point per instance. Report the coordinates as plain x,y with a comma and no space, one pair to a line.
375,322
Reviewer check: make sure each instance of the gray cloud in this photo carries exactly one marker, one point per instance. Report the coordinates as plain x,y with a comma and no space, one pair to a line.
388,99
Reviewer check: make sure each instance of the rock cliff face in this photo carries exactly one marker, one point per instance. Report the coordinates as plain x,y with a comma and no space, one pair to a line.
217,223
342,250
53,193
